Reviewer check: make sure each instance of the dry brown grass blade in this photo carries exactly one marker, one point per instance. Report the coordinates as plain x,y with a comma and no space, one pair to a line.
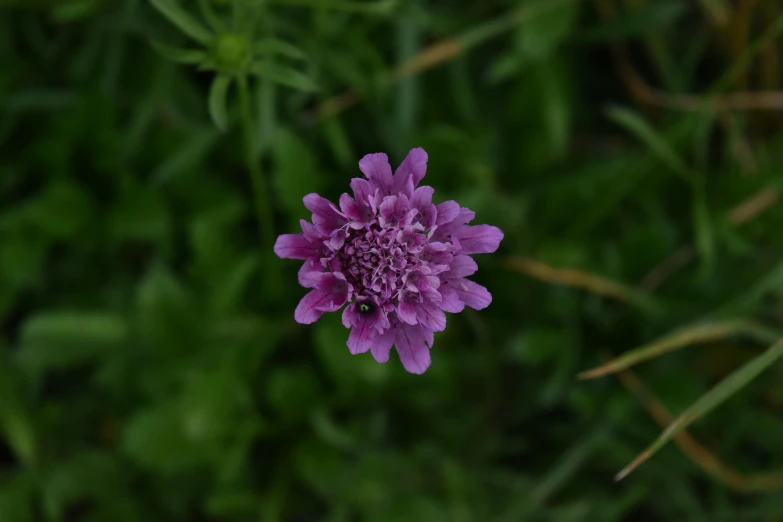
742,213
643,93
682,338
432,56
570,277
692,449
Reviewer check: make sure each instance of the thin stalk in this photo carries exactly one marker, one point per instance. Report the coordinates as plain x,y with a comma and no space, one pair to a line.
263,207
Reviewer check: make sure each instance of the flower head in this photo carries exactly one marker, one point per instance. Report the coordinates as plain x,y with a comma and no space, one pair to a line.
396,260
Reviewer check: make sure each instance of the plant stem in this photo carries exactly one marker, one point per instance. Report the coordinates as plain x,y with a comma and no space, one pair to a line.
263,207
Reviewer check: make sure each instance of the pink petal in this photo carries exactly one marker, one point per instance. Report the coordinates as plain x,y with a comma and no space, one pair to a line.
361,337
411,171
294,246
431,316
382,345
377,169
411,345
447,211
451,302
461,266
479,239
472,294
307,311
406,311
325,215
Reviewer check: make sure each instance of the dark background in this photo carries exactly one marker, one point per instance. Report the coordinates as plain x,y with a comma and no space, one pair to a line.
151,367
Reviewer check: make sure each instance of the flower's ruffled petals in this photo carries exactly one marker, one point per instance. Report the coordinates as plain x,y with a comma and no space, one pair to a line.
377,169
461,266
307,311
406,311
363,192
294,246
422,201
350,315
362,335
411,171
479,239
422,307
382,344
431,316
472,294
446,230
365,327
447,212
361,214
450,301
310,232
326,218
411,343
395,210
308,274
437,254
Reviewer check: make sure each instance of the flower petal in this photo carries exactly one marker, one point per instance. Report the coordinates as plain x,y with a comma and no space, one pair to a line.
362,334
411,345
431,316
411,171
461,266
307,311
325,216
472,294
382,345
294,246
451,302
479,239
422,201
377,169
447,211
406,311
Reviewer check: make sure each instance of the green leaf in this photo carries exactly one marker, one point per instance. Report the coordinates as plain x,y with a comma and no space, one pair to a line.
178,54
709,401
140,214
234,284
284,76
61,210
183,20
186,157
217,101
16,423
60,339
637,22
705,236
682,338
277,46
539,35
294,391
297,172
656,143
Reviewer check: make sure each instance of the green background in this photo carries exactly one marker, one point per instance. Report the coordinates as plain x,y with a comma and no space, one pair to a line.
151,368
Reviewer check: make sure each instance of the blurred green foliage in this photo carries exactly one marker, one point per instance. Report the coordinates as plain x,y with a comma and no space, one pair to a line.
151,368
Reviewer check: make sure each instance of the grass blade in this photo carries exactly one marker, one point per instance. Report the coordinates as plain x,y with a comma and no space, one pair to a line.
175,14
698,334
709,401
639,127
284,76
218,93
178,54
579,279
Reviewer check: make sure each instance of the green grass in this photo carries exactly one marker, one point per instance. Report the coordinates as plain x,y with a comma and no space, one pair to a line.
150,365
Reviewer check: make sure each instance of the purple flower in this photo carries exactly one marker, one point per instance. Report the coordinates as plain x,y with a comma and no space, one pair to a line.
397,260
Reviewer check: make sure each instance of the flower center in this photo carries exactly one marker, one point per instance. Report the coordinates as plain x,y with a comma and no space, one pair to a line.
377,261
